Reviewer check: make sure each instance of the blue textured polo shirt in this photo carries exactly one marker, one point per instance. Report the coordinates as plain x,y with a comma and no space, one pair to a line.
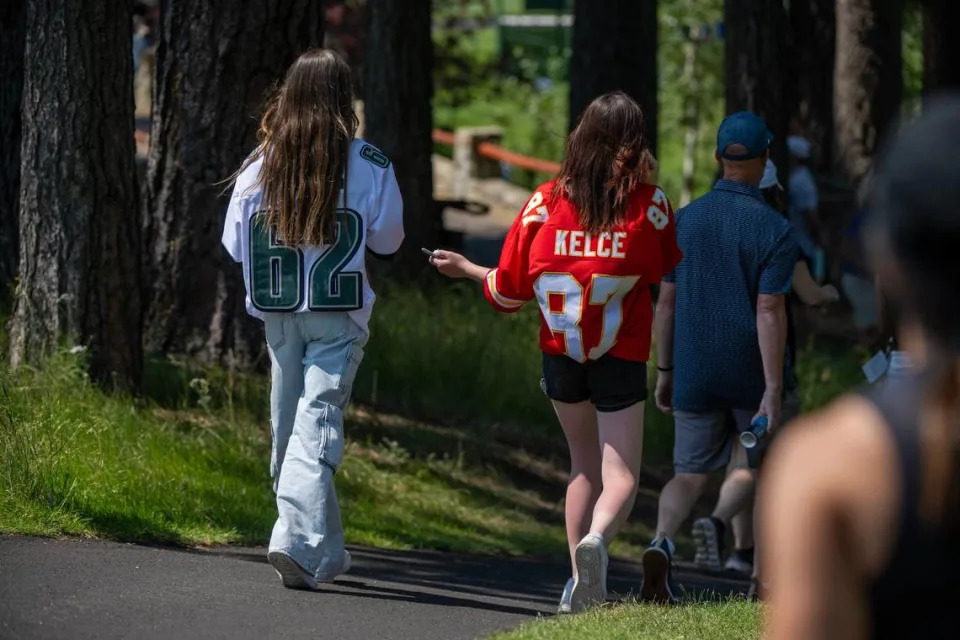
735,247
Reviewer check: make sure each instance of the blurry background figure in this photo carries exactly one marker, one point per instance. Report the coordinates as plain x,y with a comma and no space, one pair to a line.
861,509
803,205
856,279
144,22
146,13
739,478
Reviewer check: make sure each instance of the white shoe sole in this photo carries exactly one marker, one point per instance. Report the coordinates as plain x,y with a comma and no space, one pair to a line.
292,574
590,587
708,547
296,577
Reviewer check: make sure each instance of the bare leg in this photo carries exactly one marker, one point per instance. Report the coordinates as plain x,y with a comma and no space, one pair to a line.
742,522
677,500
621,438
736,495
579,423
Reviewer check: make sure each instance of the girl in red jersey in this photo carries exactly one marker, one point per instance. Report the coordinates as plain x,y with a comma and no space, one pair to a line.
588,246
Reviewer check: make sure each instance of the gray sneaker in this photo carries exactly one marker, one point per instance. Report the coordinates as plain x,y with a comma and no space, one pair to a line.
565,598
590,586
708,537
296,577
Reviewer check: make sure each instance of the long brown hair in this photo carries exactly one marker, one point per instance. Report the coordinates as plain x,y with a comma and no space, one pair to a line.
605,158
304,138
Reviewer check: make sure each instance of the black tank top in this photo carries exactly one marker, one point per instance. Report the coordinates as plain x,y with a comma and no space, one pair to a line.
917,593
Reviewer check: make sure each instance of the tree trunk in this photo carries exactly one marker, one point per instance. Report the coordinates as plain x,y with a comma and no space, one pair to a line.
216,60
869,80
615,48
691,120
79,233
809,82
941,47
755,59
398,88
12,31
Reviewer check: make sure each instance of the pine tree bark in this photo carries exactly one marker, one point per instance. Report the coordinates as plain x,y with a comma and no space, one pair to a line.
868,84
79,231
216,61
398,88
615,48
755,64
12,33
941,46
809,81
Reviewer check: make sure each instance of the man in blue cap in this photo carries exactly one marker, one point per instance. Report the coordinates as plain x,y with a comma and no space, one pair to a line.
721,330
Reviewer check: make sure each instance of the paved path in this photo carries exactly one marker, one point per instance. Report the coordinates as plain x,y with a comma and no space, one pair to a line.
95,589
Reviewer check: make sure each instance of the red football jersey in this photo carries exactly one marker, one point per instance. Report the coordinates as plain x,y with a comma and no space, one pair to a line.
593,289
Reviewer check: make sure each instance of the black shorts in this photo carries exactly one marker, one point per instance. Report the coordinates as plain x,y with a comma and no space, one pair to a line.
610,383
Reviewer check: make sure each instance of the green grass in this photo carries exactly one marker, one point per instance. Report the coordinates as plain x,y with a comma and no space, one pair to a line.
461,452
188,464
729,620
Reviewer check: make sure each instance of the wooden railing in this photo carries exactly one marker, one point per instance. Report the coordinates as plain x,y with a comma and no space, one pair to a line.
498,153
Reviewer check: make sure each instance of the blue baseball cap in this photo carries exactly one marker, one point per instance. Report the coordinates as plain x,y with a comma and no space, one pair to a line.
746,129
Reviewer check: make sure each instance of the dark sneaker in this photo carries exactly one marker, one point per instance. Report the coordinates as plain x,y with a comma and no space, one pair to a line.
590,585
708,536
564,606
657,579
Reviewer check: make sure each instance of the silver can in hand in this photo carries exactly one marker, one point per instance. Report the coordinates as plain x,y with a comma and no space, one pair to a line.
757,432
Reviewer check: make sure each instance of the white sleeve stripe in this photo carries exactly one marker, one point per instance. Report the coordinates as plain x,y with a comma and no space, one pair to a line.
499,298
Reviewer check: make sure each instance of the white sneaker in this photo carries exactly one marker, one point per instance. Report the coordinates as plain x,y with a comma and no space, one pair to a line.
590,586
737,565
565,598
296,577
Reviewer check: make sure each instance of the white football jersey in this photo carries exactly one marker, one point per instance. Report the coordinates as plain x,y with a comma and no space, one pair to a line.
284,279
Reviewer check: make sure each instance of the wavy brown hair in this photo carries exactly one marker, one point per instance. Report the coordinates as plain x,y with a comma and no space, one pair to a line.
605,158
304,139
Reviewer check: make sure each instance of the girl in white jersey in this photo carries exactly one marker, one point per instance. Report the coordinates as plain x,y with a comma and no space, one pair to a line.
305,205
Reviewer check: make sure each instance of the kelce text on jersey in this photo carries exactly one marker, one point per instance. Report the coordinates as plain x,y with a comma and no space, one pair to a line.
583,244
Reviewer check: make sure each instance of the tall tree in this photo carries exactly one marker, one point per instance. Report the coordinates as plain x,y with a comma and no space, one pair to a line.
809,78
12,32
615,48
755,58
868,84
941,47
398,88
216,60
79,232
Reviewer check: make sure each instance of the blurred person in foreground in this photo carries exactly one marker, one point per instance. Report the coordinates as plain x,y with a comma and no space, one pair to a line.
721,323
861,509
587,247
307,206
739,477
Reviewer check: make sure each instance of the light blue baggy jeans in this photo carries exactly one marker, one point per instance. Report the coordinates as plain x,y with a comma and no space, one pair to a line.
315,358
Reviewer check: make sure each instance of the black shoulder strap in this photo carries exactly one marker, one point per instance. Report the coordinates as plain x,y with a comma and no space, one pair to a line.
899,402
